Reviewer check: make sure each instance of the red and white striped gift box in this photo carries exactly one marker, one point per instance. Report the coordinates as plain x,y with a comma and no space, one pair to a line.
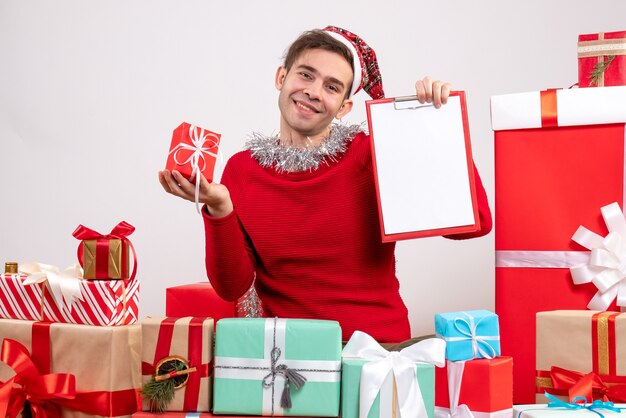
105,302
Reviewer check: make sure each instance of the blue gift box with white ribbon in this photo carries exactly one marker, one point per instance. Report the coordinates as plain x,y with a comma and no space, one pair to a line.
469,334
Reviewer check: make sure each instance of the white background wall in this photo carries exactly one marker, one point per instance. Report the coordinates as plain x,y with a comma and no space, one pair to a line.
91,90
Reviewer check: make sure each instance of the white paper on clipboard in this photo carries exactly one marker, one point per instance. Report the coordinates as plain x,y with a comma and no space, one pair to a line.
423,166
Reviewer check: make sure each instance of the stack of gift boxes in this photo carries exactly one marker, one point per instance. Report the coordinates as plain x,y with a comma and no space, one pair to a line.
296,367
71,345
476,377
257,366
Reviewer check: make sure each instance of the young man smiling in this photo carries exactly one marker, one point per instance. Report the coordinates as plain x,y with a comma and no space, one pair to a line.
313,93
298,211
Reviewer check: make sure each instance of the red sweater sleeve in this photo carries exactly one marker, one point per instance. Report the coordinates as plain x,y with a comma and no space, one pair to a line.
230,257
484,213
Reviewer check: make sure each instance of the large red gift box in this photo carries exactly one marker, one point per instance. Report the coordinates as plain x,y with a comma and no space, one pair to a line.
78,371
193,149
552,175
104,302
602,51
199,300
486,387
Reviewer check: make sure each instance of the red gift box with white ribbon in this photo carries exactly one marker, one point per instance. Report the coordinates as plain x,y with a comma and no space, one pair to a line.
559,158
193,151
483,387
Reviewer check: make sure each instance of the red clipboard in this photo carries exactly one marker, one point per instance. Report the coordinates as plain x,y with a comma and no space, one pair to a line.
423,167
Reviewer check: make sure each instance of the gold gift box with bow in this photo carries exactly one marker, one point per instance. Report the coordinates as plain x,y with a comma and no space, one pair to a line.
118,259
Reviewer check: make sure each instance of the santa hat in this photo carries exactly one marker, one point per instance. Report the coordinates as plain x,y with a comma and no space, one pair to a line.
366,72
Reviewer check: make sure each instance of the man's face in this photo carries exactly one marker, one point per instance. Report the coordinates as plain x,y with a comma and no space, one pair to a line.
312,92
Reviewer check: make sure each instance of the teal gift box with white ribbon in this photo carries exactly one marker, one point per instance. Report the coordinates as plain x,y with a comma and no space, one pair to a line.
376,383
469,334
272,366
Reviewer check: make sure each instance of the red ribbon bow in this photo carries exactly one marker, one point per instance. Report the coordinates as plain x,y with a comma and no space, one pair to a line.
589,385
47,393
41,390
121,231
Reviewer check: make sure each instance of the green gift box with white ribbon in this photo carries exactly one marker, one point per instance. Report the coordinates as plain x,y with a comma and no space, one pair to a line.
272,366
376,383
383,404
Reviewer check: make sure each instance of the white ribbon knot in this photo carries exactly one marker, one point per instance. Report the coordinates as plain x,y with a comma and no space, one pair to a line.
198,137
401,364
606,265
455,371
479,343
64,286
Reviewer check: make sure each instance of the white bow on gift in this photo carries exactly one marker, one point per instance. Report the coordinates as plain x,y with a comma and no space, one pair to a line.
401,364
198,138
606,266
64,286
455,376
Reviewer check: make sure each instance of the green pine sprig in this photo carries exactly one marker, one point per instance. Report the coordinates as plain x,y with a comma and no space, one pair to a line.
161,393
599,69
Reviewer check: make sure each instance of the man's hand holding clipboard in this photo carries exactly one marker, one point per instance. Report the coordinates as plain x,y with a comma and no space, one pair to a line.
432,91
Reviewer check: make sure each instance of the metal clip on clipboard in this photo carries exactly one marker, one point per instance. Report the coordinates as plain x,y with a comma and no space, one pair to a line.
404,103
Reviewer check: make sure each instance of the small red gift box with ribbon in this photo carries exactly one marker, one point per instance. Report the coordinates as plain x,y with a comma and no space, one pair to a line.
559,158
581,353
193,150
106,256
180,349
602,59
483,387
70,371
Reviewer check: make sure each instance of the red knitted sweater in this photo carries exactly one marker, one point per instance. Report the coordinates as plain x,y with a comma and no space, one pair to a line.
313,239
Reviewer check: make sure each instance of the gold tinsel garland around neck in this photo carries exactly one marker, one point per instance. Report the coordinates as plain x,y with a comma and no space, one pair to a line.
268,151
